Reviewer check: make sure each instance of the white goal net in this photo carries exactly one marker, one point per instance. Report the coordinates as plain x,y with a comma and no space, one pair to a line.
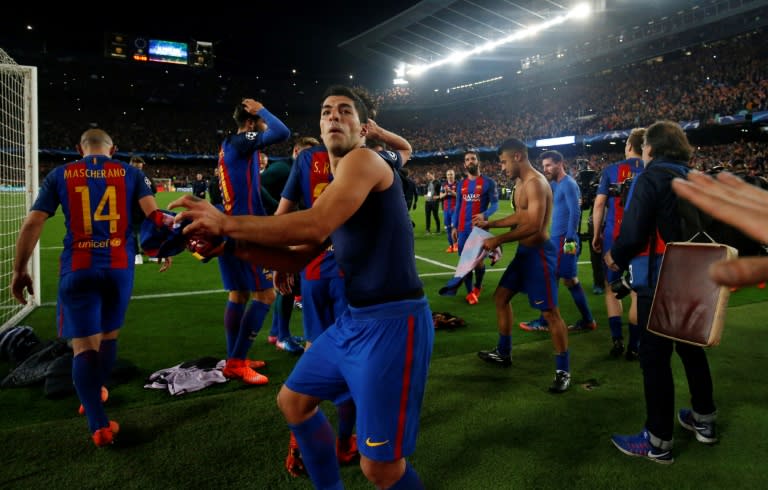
18,177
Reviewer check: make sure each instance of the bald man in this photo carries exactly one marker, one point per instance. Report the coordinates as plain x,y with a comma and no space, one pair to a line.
97,195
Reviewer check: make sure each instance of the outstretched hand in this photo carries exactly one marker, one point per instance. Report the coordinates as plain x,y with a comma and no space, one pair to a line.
205,219
737,203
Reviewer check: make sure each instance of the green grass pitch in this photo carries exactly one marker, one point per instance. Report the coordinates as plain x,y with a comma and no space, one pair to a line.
482,427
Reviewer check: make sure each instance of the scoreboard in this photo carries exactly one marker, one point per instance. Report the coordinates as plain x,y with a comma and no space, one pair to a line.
145,49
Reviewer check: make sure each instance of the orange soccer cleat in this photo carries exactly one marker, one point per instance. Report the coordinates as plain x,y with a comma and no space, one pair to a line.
106,435
472,298
239,369
477,291
254,364
293,462
104,397
346,450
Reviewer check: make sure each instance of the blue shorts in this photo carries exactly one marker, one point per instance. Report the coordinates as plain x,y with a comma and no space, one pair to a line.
610,275
239,275
323,301
532,272
566,267
380,354
92,301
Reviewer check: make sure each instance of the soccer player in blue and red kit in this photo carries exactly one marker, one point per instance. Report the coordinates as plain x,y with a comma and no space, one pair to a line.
566,217
610,204
379,350
97,195
532,271
448,196
475,194
239,159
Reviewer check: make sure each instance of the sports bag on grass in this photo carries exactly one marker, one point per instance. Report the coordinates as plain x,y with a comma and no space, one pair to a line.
688,305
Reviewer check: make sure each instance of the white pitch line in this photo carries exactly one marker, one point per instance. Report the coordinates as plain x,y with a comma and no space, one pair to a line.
434,262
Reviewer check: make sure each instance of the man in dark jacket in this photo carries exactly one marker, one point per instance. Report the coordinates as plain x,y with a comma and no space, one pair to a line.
650,221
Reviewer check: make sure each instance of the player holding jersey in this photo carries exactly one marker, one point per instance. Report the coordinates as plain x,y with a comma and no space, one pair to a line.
379,350
97,195
476,194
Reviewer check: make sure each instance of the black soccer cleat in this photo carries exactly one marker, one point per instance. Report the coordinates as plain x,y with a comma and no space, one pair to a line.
618,348
561,382
494,357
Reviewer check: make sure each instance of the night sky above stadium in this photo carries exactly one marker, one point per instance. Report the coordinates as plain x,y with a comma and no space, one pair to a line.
267,38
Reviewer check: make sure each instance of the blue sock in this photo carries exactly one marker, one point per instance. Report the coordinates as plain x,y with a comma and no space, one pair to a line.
250,325
468,282
275,328
577,292
233,315
107,357
614,323
479,275
317,443
285,307
86,374
634,338
449,230
563,361
409,481
505,345
347,415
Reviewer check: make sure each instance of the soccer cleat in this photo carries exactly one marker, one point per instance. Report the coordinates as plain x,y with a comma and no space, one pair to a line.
254,364
537,325
239,369
293,462
272,339
640,445
705,431
346,450
477,291
289,345
455,247
494,357
618,348
471,298
106,435
561,382
449,250
583,325
104,397
632,355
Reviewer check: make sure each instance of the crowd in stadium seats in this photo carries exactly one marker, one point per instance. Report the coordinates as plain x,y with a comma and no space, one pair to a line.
154,115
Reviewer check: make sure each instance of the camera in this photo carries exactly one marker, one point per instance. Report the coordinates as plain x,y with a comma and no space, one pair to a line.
588,181
620,190
621,286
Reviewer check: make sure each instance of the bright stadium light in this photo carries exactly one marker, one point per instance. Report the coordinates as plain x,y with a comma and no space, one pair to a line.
580,11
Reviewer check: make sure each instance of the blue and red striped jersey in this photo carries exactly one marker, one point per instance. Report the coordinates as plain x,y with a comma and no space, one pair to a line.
97,196
449,202
310,175
473,197
614,174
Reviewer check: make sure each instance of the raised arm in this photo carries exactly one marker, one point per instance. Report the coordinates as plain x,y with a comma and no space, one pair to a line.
393,141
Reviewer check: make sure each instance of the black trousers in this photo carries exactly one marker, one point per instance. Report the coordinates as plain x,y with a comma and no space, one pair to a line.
655,360
431,208
595,258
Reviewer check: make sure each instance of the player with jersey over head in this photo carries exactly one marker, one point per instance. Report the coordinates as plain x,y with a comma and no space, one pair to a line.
239,159
97,195
476,194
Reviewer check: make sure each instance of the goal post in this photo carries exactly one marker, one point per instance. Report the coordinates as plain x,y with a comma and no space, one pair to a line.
18,179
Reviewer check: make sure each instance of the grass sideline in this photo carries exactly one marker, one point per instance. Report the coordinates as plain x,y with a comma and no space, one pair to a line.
481,427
